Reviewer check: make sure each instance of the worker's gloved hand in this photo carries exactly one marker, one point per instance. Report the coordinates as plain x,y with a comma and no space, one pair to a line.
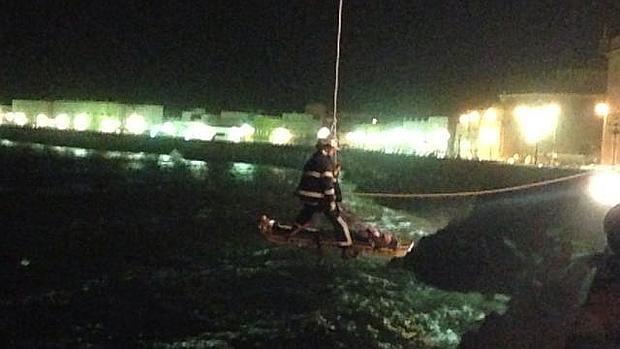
337,169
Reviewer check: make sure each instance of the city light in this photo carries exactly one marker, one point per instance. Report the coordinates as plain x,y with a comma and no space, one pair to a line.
79,152
552,110
401,139
490,115
41,120
465,147
247,130
136,124
604,188
323,133
438,140
354,137
601,109
372,140
409,136
471,117
397,135
521,111
238,134
19,118
81,122
489,136
537,122
235,134
280,135
110,125
199,131
474,116
62,121
166,129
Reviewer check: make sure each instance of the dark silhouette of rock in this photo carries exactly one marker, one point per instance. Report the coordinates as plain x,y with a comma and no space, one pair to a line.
505,240
540,317
598,323
611,225
518,244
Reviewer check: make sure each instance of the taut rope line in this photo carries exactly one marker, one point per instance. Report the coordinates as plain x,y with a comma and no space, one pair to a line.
473,193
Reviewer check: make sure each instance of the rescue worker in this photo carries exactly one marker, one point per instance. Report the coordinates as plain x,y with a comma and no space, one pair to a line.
317,192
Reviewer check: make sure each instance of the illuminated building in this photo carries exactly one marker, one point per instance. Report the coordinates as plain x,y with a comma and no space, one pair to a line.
610,146
551,128
478,134
533,128
95,116
288,128
422,136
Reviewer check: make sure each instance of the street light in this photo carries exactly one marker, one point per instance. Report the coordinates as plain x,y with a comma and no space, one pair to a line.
62,121
537,122
601,109
474,116
136,124
490,115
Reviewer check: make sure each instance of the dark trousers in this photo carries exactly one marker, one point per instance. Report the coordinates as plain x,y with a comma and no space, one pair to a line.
343,236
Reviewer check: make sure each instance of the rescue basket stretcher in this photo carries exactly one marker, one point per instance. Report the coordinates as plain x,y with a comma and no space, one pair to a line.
280,234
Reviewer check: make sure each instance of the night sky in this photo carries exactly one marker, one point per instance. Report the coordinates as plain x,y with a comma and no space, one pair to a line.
405,56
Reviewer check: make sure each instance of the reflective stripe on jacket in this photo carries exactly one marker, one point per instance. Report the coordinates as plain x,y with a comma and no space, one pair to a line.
317,180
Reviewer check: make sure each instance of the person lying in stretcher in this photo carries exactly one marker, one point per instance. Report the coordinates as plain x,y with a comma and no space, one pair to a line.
369,233
377,238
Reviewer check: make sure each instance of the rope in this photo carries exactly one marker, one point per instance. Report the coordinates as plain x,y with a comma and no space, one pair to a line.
473,193
334,118
334,127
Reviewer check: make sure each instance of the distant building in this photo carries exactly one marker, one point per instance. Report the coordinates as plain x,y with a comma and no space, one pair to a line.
541,128
89,115
572,136
544,119
610,146
419,136
195,114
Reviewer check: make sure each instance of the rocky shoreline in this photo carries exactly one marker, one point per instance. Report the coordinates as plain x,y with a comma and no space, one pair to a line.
559,298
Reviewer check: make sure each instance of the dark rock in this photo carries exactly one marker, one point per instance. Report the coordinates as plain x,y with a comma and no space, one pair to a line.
541,317
598,322
611,225
498,247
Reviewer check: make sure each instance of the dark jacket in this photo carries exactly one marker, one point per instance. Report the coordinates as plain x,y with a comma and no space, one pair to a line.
317,180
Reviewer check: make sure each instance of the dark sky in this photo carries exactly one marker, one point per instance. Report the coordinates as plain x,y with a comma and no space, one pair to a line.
398,56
